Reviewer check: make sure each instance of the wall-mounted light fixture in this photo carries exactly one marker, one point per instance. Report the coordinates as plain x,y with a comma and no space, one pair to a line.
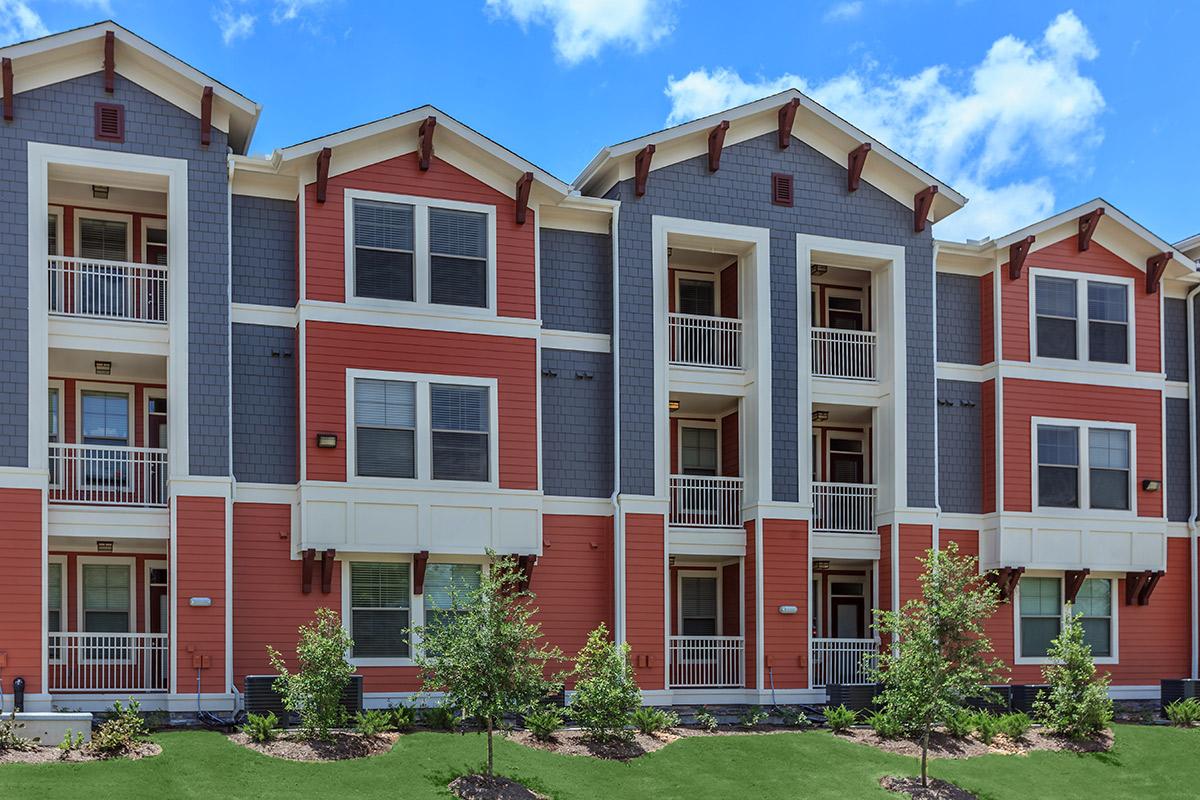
820,416
104,546
672,405
817,270
103,368
99,192
1151,485
327,440
820,566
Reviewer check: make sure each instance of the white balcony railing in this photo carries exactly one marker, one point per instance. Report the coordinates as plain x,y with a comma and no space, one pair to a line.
843,507
99,475
699,341
109,662
699,662
702,501
90,287
846,354
842,661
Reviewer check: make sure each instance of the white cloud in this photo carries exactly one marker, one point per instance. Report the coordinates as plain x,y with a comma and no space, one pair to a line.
582,28
286,10
994,132
841,12
233,25
19,22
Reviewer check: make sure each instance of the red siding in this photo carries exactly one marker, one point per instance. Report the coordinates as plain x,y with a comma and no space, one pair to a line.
200,572
987,319
325,224
1024,399
785,582
573,579
332,348
915,541
21,590
884,600
645,596
729,291
751,606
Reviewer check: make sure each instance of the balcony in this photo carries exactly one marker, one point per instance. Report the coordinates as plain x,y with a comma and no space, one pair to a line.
842,661
86,474
113,290
843,507
703,341
844,354
704,501
707,662
124,663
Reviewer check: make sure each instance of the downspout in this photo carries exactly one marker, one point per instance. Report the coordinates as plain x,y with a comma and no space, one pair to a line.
228,666
1195,502
618,522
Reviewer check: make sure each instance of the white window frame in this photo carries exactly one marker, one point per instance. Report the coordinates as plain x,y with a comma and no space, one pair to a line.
60,386
57,211
697,571
859,294
1085,500
1062,590
1081,321
127,561
62,603
706,424
152,223
868,601
691,274
148,394
839,433
424,432
104,216
421,259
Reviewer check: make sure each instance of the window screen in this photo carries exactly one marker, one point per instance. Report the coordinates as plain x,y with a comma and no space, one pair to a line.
460,423
698,605
1094,602
458,249
1108,329
1108,465
698,451
1058,466
1056,316
1041,614
379,609
106,598
383,250
385,427
441,582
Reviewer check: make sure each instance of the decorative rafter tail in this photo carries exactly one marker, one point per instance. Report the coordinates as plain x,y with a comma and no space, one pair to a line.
1017,253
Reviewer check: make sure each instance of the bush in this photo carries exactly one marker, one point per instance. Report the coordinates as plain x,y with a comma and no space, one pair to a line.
10,739
70,741
885,725
1077,703
960,723
372,722
403,718
122,732
987,725
1015,725
839,718
706,720
1184,713
606,692
794,717
652,720
544,722
261,728
440,717
315,690
752,717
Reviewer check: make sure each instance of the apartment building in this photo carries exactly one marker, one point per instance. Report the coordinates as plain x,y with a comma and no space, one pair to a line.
718,393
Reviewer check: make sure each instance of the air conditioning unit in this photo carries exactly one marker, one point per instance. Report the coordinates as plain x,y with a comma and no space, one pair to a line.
1023,695
1173,689
262,698
857,697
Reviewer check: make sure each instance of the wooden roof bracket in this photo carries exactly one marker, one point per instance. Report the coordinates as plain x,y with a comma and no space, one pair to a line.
716,141
323,172
641,169
524,184
1087,226
307,558
922,202
526,564
206,100
110,66
1074,582
1135,582
1006,579
6,68
420,561
1146,583
787,118
327,570
1017,252
854,165
425,143
1156,265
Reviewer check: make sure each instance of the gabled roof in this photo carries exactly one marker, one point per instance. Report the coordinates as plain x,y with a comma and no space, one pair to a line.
814,124
62,56
1190,246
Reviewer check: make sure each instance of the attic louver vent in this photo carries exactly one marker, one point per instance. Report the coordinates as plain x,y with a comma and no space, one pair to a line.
110,122
781,189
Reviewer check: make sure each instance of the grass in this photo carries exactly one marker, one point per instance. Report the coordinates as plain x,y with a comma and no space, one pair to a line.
1155,762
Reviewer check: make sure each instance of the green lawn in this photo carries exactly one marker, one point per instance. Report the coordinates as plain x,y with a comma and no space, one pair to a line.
1146,762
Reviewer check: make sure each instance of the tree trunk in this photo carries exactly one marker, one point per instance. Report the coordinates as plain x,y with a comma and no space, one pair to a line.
489,734
925,756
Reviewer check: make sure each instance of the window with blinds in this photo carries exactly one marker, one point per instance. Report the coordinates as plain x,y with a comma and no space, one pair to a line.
385,428
106,418
52,234
383,250
458,250
443,582
698,605
379,609
103,239
460,425
106,589
54,586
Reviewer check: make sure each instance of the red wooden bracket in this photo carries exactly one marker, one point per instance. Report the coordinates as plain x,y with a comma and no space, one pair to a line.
854,165
1156,265
1017,251
110,66
323,172
526,564
420,561
1075,579
524,184
641,169
6,67
1135,582
206,116
425,143
787,118
922,202
1087,226
327,571
308,557
1006,579
1152,579
716,141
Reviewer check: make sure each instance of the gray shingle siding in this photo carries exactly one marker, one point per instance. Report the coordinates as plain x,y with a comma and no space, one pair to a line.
960,452
264,404
1179,467
576,290
1175,338
739,193
577,430
958,318
63,113
264,250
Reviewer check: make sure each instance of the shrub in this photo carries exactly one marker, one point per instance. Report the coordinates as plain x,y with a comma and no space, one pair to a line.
315,690
1077,703
652,720
960,723
544,722
752,717
794,717
987,725
261,728
403,718
1184,713
440,717
706,720
1015,725
372,722
10,739
70,741
839,718
122,732
606,692
885,725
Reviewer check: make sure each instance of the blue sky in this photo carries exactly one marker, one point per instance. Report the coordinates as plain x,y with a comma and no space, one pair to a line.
1026,107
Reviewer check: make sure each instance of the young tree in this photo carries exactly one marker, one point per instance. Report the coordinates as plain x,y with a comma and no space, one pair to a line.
1077,703
315,690
941,654
606,692
486,655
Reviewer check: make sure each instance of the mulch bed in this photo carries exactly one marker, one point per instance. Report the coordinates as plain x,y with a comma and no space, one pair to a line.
47,755
577,743
942,745
936,790
343,745
481,787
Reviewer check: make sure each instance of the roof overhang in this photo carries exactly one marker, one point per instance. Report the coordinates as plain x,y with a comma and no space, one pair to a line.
1190,247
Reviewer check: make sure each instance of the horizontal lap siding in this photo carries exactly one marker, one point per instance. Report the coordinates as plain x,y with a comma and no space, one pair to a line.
324,225
785,582
915,541
200,572
884,601
1024,399
645,595
573,579
21,590
332,348
750,603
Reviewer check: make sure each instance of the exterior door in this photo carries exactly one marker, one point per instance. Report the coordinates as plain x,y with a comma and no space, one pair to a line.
846,614
104,287
158,606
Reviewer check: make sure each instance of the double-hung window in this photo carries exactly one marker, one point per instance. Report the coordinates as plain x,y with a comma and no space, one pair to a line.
458,250
698,605
698,450
384,250
106,598
1056,317
1067,452
54,594
1043,608
1080,319
1094,602
444,583
379,609
1058,466
460,427
385,425
1108,323
1108,468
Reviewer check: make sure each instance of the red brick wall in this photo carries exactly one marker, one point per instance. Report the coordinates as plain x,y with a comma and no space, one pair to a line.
786,582
644,596
573,579
21,589
200,572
